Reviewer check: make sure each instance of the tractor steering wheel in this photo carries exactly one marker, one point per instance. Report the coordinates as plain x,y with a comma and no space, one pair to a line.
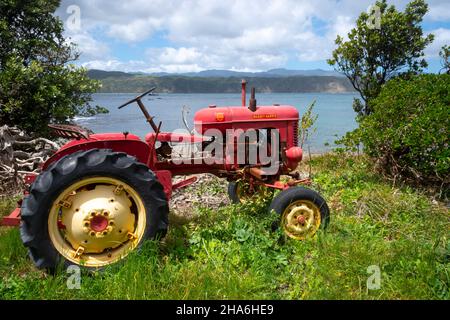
137,98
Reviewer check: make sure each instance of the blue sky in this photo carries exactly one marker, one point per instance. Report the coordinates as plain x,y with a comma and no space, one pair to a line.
251,35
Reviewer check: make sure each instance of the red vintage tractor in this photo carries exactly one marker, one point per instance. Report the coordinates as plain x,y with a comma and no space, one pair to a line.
101,195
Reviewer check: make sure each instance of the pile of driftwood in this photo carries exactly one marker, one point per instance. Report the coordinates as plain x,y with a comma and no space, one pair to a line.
20,154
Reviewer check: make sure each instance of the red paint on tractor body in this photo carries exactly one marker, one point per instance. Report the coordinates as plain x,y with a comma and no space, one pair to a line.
120,142
174,137
13,220
293,156
165,178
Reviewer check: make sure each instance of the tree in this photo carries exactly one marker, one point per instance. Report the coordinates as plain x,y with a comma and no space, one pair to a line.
408,131
38,83
445,56
378,50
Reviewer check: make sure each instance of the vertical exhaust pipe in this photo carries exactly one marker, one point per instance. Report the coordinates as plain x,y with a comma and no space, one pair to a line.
244,93
252,103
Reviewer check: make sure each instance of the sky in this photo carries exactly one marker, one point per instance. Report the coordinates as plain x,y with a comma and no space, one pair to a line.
252,35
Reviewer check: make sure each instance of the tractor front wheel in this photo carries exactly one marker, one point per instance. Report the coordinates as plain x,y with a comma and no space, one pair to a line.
92,208
303,212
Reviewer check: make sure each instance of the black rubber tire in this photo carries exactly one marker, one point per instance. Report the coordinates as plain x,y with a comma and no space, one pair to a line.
232,192
75,167
286,197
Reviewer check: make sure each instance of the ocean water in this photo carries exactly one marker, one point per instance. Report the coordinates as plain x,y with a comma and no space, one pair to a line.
335,113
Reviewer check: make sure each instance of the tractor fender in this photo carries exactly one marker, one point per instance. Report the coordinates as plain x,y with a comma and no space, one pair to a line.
117,142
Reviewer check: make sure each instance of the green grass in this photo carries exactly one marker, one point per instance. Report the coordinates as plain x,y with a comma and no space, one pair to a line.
231,253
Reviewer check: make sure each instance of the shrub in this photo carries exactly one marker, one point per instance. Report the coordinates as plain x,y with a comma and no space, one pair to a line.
408,131
39,84
33,96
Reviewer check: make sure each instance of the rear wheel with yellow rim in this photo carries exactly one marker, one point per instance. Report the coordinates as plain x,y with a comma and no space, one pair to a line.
303,212
92,208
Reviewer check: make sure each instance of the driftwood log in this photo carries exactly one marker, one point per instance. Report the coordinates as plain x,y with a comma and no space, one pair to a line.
21,154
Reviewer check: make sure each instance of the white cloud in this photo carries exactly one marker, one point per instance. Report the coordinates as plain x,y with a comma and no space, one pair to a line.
341,26
439,10
178,56
116,65
88,46
135,30
235,34
193,59
441,38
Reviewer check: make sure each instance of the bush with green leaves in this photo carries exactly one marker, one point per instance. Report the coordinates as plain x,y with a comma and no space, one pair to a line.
33,96
408,132
38,82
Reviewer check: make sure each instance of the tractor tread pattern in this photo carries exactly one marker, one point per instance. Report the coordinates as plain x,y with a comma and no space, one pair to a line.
232,192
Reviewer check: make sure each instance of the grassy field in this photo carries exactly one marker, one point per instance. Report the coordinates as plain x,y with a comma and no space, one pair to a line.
231,253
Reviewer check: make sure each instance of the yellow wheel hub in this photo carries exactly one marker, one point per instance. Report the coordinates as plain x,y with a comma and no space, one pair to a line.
97,221
301,219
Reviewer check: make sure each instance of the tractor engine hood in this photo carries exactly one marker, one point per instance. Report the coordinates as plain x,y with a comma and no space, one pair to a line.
223,118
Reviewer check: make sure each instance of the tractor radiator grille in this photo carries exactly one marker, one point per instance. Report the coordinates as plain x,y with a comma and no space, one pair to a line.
295,134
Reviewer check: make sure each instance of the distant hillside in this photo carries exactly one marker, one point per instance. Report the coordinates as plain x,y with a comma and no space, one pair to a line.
273,73
125,82
100,74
